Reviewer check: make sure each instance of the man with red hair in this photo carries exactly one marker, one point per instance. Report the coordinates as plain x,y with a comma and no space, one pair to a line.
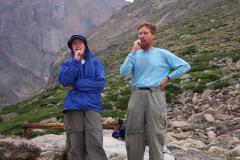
150,69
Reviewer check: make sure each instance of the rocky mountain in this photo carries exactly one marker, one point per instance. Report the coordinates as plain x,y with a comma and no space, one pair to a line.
32,32
122,27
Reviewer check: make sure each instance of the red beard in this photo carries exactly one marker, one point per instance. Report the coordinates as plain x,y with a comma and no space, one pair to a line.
145,45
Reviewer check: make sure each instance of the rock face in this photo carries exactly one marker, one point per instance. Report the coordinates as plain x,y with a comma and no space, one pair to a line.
52,146
33,32
114,33
17,148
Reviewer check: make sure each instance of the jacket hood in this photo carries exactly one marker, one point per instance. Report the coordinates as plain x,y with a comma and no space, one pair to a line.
87,53
79,36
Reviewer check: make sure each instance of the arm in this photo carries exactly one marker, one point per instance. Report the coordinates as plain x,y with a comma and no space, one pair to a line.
178,64
95,84
127,66
68,71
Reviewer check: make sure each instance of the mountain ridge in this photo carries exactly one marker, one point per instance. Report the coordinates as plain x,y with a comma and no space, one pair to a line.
33,32
113,33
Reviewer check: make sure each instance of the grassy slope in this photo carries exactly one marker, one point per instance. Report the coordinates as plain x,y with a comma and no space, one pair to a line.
201,40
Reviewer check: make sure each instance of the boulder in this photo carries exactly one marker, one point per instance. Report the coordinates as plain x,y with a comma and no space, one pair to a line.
14,148
187,144
209,117
52,146
7,117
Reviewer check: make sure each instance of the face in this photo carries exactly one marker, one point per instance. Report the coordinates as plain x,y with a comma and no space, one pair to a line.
78,44
146,38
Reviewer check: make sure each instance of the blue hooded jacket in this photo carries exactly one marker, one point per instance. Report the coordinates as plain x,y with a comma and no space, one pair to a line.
88,81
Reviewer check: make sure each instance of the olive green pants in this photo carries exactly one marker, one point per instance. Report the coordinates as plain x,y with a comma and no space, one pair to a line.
84,135
146,124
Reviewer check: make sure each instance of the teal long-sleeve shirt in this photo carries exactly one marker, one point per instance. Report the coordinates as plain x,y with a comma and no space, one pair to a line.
148,68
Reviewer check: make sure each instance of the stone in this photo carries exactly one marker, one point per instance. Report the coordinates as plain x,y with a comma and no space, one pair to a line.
223,117
222,108
237,150
206,93
212,128
52,146
196,118
211,135
107,120
179,124
211,101
212,20
167,154
12,148
237,86
233,93
169,137
7,117
182,135
228,142
188,143
50,120
195,98
235,107
209,117
185,76
217,149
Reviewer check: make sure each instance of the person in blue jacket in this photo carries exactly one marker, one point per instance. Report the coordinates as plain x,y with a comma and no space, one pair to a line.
85,79
151,69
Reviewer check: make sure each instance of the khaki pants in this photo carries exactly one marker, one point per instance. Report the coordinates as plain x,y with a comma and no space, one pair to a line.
146,123
84,135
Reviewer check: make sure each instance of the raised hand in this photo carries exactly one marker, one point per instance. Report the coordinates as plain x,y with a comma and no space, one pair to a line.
136,45
78,55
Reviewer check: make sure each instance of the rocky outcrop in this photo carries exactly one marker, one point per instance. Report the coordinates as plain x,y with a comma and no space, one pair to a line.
33,32
7,117
13,148
208,121
52,146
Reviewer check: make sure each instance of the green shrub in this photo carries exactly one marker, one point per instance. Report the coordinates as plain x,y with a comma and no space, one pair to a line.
202,66
123,102
189,50
236,76
208,56
32,134
171,91
208,76
235,56
219,84
106,104
200,30
114,113
195,87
